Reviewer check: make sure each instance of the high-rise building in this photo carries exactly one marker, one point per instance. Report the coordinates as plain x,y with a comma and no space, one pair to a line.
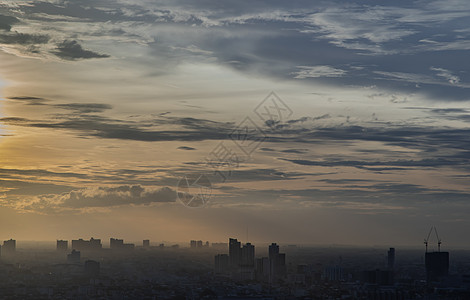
118,244
333,273
62,246
248,256
391,259
73,257
84,245
92,268
277,263
193,244
437,265
221,264
234,252
199,244
115,243
273,250
146,243
9,247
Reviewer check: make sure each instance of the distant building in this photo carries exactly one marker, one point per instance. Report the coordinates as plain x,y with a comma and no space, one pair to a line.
84,245
378,277
146,243
222,265
248,256
62,246
273,250
118,244
234,252
220,246
199,244
73,257
391,259
193,244
92,268
437,265
277,263
9,247
333,273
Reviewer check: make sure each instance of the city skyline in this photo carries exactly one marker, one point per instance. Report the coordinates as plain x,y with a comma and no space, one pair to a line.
300,122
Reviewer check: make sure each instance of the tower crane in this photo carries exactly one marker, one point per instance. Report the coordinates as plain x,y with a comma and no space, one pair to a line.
439,242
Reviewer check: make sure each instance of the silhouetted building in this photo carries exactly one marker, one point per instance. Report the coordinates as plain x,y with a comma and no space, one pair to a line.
273,250
84,245
92,268
9,247
391,259
378,277
248,256
62,245
146,243
73,257
234,252
220,246
199,244
333,273
277,263
222,265
437,265
118,244
193,244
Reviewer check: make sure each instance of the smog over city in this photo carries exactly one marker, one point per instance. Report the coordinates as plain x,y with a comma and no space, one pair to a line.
156,149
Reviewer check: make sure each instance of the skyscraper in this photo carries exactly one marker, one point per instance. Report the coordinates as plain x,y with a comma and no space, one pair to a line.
146,243
437,265
9,247
391,259
92,268
83,245
221,264
248,256
73,257
277,263
273,250
62,246
234,252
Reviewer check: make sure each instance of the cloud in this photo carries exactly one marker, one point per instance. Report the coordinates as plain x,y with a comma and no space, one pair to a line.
452,79
72,50
115,196
23,38
85,108
30,100
7,21
317,71
186,148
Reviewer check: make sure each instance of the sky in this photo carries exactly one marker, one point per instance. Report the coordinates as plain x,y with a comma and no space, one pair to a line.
309,122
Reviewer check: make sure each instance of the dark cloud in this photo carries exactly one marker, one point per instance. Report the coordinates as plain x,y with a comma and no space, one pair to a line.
186,148
7,21
72,50
115,196
85,107
23,38
30,100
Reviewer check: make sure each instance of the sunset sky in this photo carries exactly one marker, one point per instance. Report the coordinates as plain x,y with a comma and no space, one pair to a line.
107,104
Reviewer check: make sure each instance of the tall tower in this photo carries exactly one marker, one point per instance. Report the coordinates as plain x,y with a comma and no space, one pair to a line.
391,259
437,263
234,252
